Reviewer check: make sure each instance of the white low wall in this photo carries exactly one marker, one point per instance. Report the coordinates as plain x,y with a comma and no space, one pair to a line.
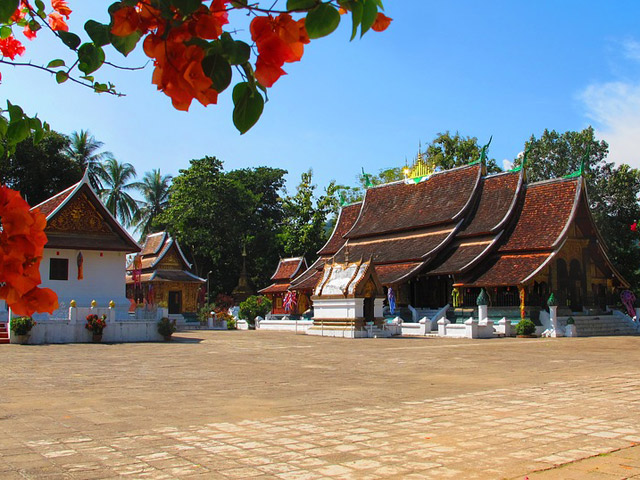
72,329
285,325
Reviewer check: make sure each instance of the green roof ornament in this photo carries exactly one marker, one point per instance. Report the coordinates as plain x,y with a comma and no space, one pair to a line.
583,165
367,179
523,164
343,200
483,152
483,298
552,300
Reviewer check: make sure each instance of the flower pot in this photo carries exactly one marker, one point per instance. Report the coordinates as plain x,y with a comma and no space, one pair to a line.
23,339
96,338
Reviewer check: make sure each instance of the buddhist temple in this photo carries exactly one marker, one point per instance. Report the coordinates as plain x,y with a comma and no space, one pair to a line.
160,275
436,239
85,255
287,271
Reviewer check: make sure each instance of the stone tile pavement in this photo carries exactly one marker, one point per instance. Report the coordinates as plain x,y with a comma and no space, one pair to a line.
255,405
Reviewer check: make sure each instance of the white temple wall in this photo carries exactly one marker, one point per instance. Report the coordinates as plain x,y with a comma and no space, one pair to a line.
104,277
338,308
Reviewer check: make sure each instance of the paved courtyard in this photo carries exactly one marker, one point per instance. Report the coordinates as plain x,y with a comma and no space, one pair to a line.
283,406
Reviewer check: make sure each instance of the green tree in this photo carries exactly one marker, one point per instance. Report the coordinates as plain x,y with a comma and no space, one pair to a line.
449,151
84,149
304,230
154,189
116,178
212,213
40,170
556,154
261,223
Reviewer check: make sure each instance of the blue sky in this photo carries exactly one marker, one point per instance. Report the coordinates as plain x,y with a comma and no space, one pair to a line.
502,68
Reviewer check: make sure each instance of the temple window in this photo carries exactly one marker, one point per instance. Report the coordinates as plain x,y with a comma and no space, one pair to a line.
59,269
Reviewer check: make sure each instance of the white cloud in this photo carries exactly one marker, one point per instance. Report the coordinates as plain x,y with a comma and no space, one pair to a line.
507,164
614,107
631,49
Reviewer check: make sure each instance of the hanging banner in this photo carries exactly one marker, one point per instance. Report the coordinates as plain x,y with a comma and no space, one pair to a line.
391,296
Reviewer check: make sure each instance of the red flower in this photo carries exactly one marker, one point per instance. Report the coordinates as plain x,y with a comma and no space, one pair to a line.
61,7
30,34
634,226
10,47
381,23
56,22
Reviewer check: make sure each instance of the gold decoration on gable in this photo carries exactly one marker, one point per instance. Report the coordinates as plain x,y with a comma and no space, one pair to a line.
79,215
171,261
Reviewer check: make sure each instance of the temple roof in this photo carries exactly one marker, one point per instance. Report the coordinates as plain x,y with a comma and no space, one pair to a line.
398,206
155,249
346,218
77,219
310,277
539,231
289,268
167,276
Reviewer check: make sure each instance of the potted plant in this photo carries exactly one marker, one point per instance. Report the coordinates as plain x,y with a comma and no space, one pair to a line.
570,330
21,327
166,328
525,328
96,324
225,320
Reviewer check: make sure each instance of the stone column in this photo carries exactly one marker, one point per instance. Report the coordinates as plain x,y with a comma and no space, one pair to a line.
442,327
471,328
553,315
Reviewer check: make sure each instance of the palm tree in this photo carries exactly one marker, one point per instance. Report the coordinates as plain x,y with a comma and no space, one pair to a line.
84,150
154,189
115,176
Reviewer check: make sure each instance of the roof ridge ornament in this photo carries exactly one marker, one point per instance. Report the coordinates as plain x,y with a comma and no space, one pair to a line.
583,165
523,164
483,153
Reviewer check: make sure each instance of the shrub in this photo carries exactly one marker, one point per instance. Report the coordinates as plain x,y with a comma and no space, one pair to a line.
570,321
166,327
525,327
204,312
223,316
22,325
223,303
253,307
95,323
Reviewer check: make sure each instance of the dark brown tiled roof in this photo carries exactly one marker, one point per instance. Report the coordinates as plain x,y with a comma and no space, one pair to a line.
545,214
288,268
460,256
400,247
310,278
275,288
345,221
509,269
496,198
153,243
54,202
389,274
399,206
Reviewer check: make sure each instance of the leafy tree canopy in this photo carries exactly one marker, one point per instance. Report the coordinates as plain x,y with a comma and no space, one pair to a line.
40,170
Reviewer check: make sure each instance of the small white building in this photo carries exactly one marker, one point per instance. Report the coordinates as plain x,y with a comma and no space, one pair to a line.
85,255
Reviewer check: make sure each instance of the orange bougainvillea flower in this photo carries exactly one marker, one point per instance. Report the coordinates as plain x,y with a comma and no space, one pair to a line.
22,241
10,47
30,34
279,40
381,23
61,7
125,21
56,22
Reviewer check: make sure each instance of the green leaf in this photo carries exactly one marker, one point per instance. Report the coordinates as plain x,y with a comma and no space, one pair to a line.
34,26
187,7
100,87
218,70
71,40
322,20
61,76
15,112
98,33
1,150
5,32
236,52
91,58
369,14
56,63
356,16
40,5
248,106
7,7
88,78
125,45
301,4
4,124
18,131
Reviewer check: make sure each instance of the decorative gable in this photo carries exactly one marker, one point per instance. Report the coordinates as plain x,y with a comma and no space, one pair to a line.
79,216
